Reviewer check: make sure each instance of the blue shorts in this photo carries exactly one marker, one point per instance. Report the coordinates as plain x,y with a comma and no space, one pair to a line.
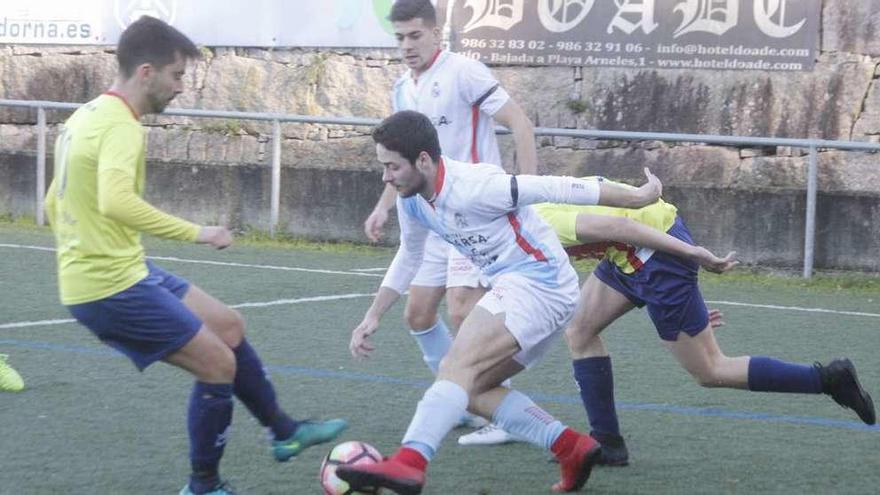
146,322
667,285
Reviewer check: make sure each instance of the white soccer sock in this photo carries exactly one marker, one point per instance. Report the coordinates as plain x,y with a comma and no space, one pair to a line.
438,412
519,415
434,343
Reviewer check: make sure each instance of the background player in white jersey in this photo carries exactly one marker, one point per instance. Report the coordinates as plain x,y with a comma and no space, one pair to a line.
483,213
463,101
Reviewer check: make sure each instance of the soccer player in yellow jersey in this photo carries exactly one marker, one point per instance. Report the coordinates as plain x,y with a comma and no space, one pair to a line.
665,281
97,214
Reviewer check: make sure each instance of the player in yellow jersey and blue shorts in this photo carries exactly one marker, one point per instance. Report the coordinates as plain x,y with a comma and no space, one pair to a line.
665,282
97,214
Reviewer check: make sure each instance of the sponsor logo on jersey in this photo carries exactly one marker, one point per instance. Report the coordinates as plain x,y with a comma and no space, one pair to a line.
441,120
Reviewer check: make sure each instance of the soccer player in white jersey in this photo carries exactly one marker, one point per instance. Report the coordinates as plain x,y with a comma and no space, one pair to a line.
463,101
483,213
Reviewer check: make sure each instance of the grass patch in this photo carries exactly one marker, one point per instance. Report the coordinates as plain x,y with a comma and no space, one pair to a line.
282,240
23,221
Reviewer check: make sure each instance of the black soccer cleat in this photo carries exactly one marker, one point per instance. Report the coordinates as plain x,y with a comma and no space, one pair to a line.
839,380
614,452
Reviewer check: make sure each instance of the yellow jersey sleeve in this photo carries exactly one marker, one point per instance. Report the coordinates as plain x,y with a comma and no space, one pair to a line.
120,188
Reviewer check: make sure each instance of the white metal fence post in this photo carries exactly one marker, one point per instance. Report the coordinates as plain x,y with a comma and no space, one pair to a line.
810,224
276,177
41,164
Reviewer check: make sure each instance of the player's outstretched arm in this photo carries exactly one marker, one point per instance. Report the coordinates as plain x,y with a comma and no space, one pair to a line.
597,228
524,190
398,277
359,345
625,197
712,263
118,201
375,223
218,237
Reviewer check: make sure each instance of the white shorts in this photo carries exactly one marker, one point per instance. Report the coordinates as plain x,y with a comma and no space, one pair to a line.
534,313
444,266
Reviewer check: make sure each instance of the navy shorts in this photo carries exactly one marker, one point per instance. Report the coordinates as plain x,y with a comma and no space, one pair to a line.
146,322
667,285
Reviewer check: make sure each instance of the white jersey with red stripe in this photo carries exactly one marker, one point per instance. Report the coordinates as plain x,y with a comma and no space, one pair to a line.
460,96
483,213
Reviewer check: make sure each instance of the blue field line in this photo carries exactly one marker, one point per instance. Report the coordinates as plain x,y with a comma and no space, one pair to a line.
711,412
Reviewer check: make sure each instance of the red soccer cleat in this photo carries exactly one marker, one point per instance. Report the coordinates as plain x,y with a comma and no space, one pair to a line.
403,473
577,454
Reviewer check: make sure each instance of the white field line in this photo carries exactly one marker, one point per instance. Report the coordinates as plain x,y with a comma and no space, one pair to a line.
279,302
263,267
796,308
360,272
223,263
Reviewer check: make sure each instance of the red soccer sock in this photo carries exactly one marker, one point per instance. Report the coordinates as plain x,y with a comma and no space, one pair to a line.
565,443
410,457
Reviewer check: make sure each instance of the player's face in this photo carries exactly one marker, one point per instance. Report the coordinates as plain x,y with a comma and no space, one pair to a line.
164,84
418,43
400,173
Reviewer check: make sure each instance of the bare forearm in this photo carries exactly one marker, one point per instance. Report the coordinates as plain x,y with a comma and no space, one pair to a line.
512,116
526,156
383,301
623,196
387,200
596,228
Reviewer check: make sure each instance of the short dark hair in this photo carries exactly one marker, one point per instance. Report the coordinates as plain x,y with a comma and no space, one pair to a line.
408,133
153,41
406,10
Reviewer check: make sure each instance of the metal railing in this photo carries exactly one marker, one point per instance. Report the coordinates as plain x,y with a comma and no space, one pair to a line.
812,145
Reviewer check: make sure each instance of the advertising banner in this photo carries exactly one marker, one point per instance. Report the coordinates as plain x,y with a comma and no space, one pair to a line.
263,23
769,35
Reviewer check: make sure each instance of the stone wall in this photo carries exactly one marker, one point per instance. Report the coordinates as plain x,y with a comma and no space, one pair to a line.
839,99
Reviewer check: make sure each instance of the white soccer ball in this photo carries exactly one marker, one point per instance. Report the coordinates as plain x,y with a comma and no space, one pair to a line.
349,453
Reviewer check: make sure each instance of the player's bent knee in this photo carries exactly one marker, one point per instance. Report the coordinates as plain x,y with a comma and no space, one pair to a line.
221,368
418,318
208,359
464,376
581,342
229,326
446,366
235,322
456,318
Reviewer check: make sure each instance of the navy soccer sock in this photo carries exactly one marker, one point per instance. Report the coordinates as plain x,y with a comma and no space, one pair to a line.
208,420
255,391
596,383
771,375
